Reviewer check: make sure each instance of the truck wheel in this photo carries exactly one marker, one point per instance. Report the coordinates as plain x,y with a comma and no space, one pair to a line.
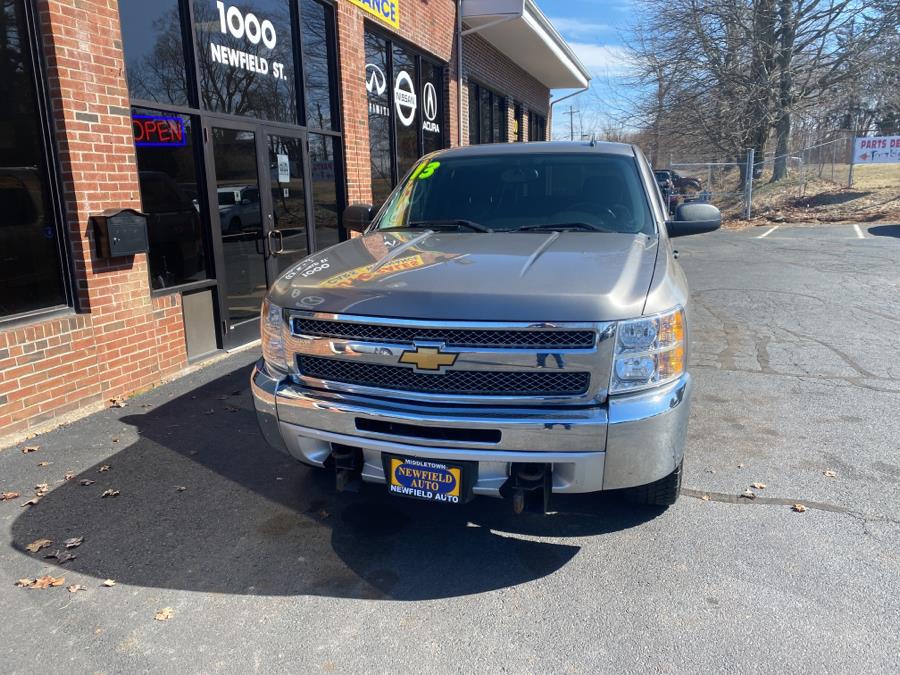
663,492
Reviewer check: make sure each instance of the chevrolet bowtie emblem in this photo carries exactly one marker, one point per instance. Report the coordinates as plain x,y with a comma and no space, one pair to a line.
428,358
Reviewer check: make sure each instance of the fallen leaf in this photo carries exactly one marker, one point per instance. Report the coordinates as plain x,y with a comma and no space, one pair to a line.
110,493
705,498
41,489
829,473
103,468
115,439
109,583
86,482
180,488
69,476
73,542
32,501
9,496
38,544
758,486
25,583
74,588
117,403
44,463
30,448
164,614
47,581
61,557
799,508
748,494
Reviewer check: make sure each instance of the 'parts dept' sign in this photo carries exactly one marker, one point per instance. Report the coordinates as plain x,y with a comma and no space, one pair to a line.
876,150
387,11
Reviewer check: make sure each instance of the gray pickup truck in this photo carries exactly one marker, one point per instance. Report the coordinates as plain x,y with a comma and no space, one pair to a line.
511,323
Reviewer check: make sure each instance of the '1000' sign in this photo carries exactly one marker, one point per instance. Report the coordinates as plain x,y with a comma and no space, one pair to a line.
250,28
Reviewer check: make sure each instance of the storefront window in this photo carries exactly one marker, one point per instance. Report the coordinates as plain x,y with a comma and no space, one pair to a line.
154,50
432,107
406,114
245,53
317,25
167,172
518,123
31,275
323,152
537,127
379,117
487,116
406,109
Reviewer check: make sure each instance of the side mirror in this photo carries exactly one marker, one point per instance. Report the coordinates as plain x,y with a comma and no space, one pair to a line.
357,217
694,218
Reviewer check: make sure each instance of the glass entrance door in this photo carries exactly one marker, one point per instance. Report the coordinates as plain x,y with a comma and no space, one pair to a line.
261,209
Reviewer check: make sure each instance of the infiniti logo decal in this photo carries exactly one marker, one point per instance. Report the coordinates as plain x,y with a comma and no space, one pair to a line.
376,82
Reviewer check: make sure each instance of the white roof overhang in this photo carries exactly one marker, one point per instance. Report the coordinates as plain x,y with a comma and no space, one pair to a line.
519,29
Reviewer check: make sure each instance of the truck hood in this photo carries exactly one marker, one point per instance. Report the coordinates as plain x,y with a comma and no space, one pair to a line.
526,276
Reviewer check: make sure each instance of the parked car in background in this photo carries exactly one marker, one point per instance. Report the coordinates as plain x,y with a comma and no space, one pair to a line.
239,209
667,188
687,186
512,323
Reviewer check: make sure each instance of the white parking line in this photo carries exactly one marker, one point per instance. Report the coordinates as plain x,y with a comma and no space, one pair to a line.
767,232
859,232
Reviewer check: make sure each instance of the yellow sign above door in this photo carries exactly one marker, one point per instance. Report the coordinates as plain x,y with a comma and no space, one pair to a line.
387,11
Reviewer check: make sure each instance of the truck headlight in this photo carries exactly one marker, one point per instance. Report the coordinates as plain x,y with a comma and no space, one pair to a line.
650,351
271,332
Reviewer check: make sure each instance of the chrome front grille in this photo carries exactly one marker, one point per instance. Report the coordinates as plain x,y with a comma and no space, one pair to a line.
477,362
451,337
455,382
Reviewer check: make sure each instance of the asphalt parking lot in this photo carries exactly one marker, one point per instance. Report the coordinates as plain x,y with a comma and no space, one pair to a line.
797,365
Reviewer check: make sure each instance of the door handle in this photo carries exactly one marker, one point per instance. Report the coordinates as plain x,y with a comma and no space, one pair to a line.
272,248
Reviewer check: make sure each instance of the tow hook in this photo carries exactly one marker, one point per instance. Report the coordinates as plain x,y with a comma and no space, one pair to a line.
531,486
348,464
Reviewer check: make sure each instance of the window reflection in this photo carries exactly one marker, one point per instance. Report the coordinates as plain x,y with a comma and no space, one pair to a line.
167,171
377,83
317,24
245,55
30,266
322,153
154,52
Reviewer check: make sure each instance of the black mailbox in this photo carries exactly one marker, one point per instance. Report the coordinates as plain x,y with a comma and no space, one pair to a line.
120,232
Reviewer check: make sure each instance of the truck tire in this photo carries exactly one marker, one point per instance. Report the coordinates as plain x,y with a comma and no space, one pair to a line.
663,492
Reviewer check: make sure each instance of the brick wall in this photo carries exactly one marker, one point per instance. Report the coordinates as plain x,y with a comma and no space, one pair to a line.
121,340
485,65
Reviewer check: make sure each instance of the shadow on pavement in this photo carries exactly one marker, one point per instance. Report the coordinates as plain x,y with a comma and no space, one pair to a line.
252,521
885,231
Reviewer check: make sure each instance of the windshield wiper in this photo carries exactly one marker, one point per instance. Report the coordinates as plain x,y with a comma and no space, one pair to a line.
587,227
470,224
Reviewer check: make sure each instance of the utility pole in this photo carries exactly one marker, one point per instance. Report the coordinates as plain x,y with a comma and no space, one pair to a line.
572,112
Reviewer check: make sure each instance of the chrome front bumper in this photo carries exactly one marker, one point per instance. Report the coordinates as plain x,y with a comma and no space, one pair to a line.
631,440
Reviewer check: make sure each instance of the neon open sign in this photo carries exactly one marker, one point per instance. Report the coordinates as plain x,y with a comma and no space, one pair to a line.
158,131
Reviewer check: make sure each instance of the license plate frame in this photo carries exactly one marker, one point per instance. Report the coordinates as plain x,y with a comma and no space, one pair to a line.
404,484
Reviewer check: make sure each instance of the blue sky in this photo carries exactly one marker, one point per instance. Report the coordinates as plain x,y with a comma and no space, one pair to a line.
594,29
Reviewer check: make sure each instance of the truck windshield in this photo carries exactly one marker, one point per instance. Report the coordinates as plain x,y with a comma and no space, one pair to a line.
505,193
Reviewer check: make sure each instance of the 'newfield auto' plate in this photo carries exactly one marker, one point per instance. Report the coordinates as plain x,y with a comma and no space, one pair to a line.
424,479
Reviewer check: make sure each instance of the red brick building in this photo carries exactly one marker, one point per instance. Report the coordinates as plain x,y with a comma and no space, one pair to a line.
239,129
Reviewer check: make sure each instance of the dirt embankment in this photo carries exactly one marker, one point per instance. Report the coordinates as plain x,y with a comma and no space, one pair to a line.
874,198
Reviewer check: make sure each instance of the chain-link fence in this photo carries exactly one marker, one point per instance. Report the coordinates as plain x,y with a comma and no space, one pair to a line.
822,168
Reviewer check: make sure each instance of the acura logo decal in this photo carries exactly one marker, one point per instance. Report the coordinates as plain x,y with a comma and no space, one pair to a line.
376,82
429,102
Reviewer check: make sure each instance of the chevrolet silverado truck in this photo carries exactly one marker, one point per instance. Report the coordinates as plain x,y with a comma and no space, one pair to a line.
512,322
